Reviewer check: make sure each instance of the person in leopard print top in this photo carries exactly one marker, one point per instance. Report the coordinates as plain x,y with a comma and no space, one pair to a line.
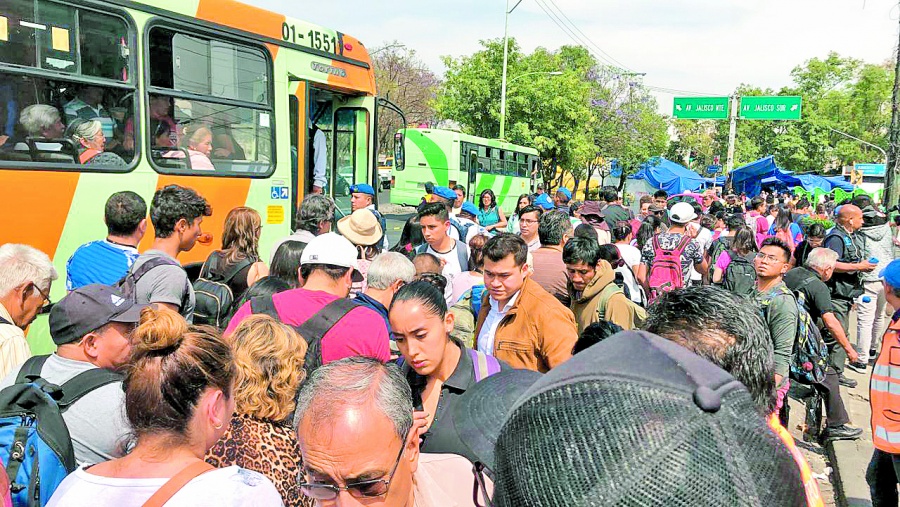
269,360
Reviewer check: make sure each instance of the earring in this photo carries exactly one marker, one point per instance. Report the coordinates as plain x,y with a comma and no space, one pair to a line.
218,426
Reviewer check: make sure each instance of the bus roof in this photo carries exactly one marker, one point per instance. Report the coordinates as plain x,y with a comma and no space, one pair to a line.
447,136
280,30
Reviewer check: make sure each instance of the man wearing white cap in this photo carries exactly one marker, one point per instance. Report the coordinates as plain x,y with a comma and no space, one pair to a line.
329,266
678,242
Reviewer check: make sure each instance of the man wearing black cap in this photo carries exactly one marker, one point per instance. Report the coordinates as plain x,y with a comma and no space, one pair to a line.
90,327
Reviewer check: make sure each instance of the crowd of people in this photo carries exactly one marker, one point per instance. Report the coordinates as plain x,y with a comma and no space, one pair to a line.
568,354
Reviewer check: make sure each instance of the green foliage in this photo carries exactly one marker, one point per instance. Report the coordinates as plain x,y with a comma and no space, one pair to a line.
838,93
571,119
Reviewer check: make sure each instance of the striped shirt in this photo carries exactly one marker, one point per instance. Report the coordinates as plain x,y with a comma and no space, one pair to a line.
14,349
99,262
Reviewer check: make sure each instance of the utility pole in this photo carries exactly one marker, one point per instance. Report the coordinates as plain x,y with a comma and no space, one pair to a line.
508,11
732,133
892,169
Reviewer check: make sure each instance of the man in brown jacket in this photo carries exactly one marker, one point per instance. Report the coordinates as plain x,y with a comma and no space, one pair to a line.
520,323
592,287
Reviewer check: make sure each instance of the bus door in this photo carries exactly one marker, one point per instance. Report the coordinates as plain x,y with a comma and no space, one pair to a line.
472,170
351,151
298,131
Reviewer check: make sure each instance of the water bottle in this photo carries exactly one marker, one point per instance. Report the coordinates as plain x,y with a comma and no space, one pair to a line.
866,299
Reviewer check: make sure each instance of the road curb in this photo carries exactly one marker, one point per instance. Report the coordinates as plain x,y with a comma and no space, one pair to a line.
848,461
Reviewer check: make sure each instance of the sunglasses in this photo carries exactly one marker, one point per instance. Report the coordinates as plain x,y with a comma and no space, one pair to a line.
361,489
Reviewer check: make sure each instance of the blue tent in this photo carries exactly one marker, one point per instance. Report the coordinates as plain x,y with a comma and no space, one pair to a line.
840,182
749,178
669,176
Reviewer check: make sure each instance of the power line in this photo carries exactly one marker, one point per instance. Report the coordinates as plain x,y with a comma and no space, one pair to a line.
571,34
592,43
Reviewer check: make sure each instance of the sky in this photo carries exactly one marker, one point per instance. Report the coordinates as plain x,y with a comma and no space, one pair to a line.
703,47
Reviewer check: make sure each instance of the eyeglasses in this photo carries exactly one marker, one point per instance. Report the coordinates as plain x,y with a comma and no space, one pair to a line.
45,307
361,489
770,258
479,489
527,221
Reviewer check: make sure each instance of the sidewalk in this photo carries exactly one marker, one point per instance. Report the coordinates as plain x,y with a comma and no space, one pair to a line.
850,458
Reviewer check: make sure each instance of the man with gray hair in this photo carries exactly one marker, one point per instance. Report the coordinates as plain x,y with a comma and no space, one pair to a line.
315,217
810,281
41,121
360,443
554,230
25,277
388,272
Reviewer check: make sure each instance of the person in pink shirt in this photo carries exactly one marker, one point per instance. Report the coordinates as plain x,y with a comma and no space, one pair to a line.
329,267
743,244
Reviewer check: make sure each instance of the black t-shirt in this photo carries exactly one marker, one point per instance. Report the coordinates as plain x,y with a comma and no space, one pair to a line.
818,297
802,252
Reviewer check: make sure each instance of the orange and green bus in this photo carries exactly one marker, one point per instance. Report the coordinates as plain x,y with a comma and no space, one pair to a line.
147,69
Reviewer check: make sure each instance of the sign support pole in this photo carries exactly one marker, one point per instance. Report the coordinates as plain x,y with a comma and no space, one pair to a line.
732,133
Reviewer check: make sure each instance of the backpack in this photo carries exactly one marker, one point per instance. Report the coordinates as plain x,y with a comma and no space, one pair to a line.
35,444
640,314
212,292
459,229
718,246
315,327
809,356
483,365
128,284
740,275
462,253
665,271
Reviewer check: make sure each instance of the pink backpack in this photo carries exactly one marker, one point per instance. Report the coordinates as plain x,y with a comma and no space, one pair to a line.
665,271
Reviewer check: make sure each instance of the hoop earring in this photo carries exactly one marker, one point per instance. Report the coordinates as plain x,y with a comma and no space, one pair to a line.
218,427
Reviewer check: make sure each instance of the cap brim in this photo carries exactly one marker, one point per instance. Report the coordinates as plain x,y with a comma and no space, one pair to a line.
479,414
131,315
357,276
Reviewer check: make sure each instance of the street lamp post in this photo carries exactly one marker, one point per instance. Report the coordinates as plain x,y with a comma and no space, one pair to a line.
883,153
508,11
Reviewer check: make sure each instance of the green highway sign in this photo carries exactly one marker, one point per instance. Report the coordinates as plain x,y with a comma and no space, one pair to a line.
770,108
700,108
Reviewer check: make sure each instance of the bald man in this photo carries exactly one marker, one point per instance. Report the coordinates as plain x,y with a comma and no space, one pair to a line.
846,284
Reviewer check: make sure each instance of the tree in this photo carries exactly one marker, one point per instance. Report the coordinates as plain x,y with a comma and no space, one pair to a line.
548,113
406,81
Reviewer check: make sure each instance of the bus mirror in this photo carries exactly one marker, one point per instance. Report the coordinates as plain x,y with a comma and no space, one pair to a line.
399,162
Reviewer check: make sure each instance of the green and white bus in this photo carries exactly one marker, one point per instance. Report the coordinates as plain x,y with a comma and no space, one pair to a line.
448,158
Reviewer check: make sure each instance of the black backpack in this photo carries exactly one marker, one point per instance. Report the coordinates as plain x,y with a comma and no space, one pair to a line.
740,275
35,444
128,284
718,246
212,292
315,327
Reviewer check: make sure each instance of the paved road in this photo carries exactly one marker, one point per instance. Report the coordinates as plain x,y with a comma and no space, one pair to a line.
396,216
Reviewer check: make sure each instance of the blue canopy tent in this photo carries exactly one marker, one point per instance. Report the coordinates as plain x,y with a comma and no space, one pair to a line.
840,182
669,176
749,178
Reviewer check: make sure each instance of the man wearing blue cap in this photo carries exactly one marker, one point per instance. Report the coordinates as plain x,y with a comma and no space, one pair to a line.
362,196
562,198
883,474
447,197
466,218
90,327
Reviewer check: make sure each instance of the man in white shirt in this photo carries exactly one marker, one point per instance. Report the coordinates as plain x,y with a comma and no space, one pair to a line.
318,159
435,222
466,218
25,277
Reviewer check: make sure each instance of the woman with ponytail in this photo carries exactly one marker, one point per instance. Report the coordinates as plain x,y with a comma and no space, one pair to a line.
179,402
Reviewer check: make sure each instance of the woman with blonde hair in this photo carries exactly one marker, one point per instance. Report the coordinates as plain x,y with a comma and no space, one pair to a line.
179,402
268,356
196,140
88,137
